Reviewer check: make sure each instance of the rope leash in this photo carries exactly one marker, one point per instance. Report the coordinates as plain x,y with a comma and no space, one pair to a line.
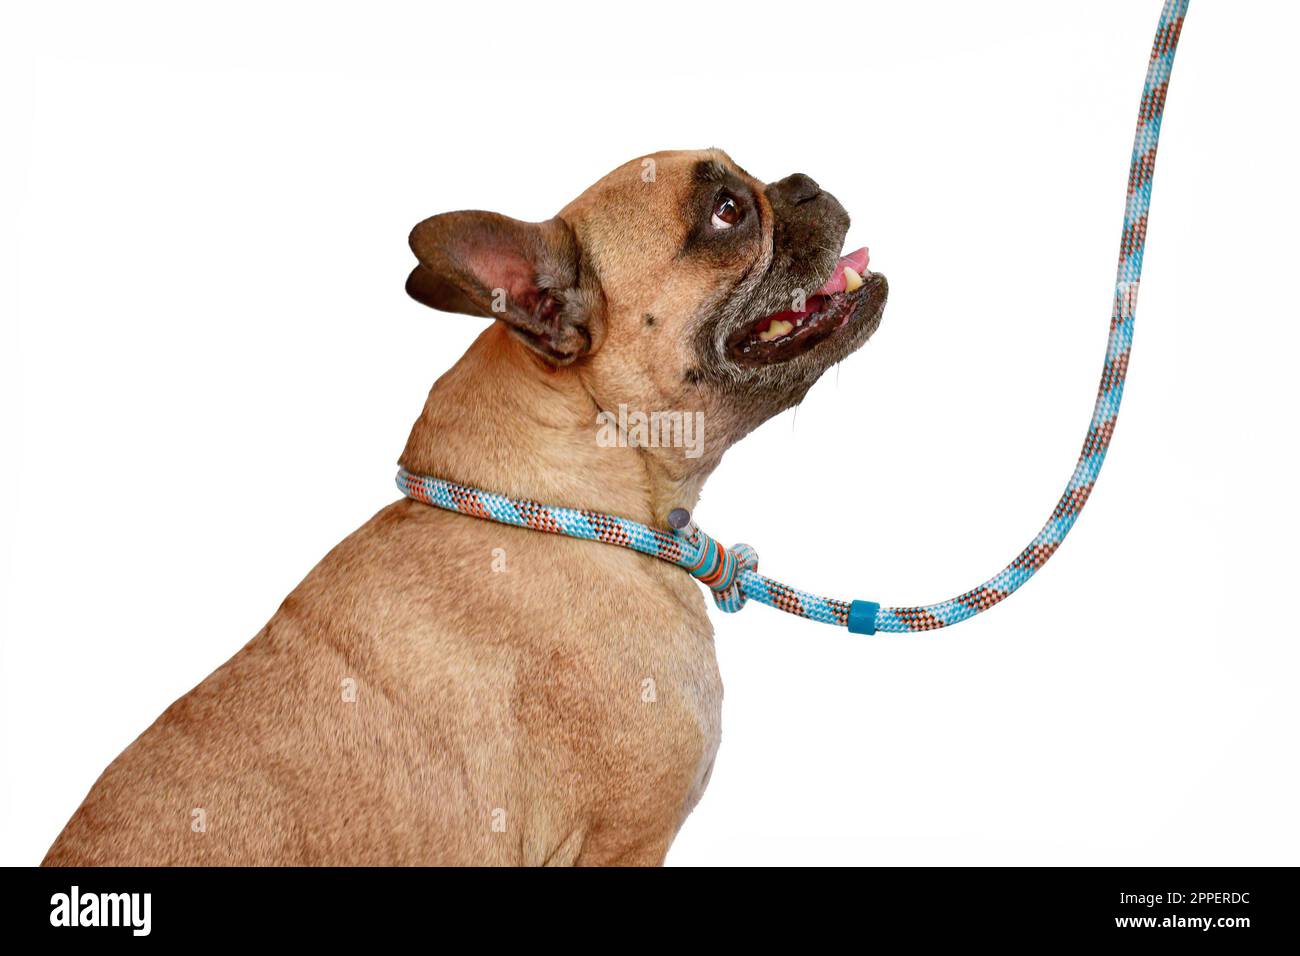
731,574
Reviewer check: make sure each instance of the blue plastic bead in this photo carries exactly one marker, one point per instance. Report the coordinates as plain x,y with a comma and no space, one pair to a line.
862,617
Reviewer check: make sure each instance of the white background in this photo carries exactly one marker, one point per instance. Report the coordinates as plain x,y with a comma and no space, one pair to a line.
208,369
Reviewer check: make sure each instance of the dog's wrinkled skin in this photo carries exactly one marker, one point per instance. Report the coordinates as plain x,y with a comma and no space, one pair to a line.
521,698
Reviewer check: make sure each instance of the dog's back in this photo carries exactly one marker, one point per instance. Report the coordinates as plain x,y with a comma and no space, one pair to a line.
402,708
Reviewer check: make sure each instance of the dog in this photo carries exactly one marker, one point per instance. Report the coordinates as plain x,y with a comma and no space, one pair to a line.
443,689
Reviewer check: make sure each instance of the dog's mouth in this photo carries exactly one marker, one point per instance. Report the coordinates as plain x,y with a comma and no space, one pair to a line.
814,317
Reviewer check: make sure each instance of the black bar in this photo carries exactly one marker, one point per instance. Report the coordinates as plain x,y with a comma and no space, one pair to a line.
1231,907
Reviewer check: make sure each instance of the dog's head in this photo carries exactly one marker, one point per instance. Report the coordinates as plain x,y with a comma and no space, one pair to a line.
678,281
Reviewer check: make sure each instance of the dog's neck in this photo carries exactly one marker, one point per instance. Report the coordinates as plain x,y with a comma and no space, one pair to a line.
501,420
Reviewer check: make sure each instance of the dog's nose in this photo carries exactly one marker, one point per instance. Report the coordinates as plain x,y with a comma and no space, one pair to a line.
797,188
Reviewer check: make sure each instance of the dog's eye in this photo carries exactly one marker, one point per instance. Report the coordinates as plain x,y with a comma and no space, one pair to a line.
726,212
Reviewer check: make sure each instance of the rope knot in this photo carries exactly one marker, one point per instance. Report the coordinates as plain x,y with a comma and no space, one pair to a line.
716,567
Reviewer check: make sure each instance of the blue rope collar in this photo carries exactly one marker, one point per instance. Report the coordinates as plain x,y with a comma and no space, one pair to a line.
731,574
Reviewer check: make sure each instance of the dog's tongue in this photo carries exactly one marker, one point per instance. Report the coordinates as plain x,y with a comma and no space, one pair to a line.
837,283
856,260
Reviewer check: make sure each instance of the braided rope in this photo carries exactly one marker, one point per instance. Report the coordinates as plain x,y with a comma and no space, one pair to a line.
1111,390
732,575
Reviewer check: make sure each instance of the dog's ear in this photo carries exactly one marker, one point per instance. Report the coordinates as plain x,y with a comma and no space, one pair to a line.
523,273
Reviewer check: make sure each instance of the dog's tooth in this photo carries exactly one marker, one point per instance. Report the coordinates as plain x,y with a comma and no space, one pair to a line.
852,281
774,331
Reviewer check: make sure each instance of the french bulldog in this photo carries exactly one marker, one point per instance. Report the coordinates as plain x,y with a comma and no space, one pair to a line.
443,689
